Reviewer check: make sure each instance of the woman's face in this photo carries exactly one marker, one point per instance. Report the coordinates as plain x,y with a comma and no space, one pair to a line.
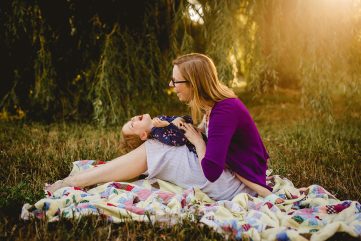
183,90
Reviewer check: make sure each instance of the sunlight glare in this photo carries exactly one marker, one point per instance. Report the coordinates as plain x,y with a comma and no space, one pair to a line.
195,12
336,6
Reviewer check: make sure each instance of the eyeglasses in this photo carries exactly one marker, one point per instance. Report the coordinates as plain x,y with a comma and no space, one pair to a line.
177,81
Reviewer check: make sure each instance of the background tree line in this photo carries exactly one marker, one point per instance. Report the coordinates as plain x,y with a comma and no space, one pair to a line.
104,61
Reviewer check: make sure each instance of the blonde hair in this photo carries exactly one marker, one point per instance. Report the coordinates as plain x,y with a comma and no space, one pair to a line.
129,143
200,70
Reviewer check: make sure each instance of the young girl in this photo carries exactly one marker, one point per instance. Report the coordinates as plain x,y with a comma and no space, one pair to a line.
140,128
165,129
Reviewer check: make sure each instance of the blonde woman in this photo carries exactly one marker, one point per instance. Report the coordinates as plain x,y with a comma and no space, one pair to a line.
233,139
233,161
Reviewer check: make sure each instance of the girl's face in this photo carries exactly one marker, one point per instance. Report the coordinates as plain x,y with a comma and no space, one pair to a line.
183,90
139,125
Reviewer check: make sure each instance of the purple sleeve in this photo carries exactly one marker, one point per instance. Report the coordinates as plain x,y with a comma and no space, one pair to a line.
222,126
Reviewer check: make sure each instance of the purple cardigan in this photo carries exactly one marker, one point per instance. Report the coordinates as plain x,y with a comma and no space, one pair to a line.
233,139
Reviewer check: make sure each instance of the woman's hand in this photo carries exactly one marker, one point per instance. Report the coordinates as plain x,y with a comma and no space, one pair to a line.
195,137
160,123
178,122
192,134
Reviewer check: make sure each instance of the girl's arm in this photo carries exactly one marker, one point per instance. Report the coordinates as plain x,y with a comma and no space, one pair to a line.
169,135
178,120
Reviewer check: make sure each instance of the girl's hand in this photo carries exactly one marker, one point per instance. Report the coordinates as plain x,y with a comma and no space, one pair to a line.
178,122
192,134
160,123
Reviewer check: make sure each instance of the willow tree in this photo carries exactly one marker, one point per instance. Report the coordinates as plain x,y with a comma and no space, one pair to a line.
71,60
105,61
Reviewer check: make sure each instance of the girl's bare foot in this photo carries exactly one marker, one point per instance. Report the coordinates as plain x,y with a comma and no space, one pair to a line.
57,185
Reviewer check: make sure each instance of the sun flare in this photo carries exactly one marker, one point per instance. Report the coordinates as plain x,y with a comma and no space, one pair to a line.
195,11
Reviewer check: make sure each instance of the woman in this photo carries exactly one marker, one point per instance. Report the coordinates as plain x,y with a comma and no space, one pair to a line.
233,139
233,142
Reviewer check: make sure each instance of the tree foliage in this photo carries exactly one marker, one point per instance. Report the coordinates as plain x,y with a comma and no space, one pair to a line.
107,60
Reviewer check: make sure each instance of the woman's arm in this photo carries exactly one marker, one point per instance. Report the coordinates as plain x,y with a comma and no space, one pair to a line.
223,122
222,126
261,191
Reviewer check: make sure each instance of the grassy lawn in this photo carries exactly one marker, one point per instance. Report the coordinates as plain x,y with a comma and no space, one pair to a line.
305,150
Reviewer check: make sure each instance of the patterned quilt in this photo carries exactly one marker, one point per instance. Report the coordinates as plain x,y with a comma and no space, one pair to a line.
310,213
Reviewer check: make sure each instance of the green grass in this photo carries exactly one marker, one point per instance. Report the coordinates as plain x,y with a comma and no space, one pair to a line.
310,149
316,153
305,150
93,228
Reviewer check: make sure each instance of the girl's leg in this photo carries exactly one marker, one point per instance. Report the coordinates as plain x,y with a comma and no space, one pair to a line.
122,168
